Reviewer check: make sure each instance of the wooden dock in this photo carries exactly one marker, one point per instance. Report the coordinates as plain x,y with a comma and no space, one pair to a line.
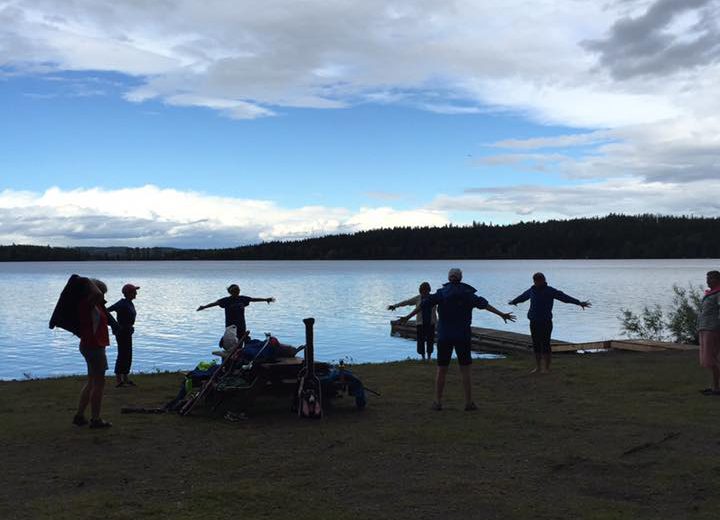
505,342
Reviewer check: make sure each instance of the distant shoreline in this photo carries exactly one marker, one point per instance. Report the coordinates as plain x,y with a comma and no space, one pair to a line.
613,237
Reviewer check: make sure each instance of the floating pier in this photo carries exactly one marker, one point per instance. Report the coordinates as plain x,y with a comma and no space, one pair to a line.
505,342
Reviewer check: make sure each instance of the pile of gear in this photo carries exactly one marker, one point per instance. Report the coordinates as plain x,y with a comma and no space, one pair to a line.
252,367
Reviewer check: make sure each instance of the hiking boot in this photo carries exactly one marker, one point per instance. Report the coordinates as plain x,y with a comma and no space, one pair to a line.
79,420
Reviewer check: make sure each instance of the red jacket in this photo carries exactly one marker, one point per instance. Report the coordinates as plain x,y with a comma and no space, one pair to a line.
93,325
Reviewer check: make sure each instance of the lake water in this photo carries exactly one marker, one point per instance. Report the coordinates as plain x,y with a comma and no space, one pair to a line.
348,299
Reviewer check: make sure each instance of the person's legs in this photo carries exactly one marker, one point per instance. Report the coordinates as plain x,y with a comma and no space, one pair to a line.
84,399
420,339
85,392
124,356
440,383
709,356
537,348
93,390
465,362
430,339
545,335
443,361
129,361
466,376
97,365
96,394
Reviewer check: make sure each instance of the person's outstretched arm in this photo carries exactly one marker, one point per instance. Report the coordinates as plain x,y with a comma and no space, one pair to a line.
403,319
565,298
404,303
522,298
425,308
213,304
506,316
267,300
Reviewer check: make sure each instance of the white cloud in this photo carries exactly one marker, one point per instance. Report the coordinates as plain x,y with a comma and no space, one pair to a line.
677,150
525,55
628,196
641,76
151,216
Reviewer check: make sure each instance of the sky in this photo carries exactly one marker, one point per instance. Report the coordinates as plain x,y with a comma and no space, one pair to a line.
227,122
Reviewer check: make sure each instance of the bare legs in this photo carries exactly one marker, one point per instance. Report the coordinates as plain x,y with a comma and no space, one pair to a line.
465,374
467,384
542,362
92,393
440,383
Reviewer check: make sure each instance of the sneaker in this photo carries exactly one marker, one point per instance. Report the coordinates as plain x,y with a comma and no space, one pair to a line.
436,406
79,420
710,391
470,407
99,423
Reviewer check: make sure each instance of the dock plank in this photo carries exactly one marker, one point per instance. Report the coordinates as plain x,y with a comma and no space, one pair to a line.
503,341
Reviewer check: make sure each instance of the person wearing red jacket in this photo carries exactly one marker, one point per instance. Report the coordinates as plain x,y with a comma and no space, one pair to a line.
93,320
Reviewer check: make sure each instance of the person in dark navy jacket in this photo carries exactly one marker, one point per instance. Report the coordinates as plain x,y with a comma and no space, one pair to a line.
542,297
455,303
126,314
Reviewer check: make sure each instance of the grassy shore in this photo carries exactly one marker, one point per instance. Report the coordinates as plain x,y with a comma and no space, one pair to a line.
608,436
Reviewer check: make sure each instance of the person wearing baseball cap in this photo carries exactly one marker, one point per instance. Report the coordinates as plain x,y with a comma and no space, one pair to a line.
125,309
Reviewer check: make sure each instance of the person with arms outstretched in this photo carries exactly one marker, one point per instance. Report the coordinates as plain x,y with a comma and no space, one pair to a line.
455,303
542,296
234,306
425,331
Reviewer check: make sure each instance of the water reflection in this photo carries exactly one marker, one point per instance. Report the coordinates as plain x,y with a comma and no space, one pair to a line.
347,298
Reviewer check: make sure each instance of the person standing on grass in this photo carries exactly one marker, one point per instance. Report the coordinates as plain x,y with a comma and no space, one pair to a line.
708,326
234,306
93,321
455,303
425,331
542,297
125,309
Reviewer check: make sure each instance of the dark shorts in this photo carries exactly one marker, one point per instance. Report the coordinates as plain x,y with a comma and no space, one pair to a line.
445,350
96,360
541,332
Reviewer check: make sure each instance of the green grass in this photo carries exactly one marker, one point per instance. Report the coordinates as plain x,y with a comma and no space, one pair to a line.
609,436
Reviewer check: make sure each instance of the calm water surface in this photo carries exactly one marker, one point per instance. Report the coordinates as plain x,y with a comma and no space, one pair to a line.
347,298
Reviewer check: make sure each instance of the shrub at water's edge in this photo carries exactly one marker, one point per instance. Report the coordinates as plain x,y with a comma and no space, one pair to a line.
680,324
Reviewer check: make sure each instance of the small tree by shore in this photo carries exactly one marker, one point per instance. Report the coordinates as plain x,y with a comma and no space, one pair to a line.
679,325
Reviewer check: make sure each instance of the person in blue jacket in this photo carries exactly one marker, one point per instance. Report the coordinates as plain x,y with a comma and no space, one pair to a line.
126,314
542,296
234,306
455,303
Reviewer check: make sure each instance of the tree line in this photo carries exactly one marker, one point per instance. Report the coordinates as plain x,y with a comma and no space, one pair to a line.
608,237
